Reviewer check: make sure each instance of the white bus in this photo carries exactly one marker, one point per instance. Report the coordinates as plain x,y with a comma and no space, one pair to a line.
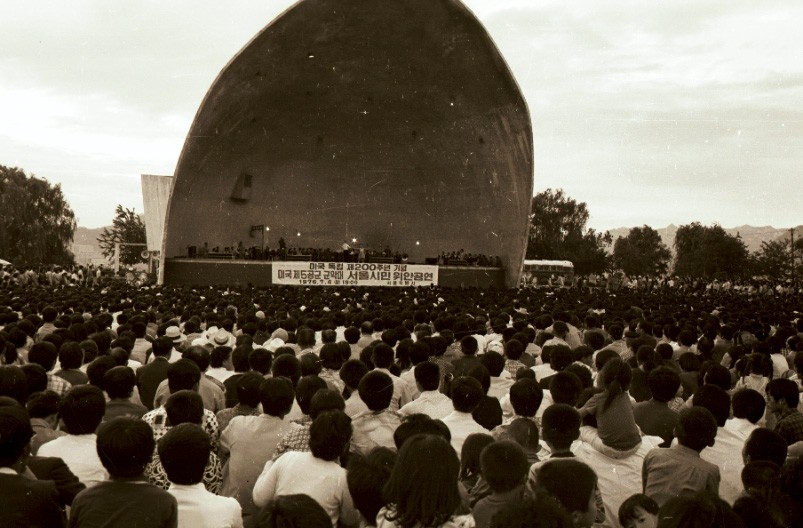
540,273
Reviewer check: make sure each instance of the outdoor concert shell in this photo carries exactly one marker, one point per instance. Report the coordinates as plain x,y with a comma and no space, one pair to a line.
395,123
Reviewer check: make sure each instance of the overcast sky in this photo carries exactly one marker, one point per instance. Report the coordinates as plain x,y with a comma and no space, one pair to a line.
650,113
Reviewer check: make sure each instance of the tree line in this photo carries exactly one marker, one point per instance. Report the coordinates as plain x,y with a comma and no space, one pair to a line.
37,227
558,231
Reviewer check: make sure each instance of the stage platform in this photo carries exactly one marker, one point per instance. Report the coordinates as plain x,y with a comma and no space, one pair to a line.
211,272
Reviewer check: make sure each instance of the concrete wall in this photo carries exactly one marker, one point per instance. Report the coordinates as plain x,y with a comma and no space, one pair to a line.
391,122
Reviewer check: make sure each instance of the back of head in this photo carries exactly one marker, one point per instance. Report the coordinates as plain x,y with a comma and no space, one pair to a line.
119,382
427,375
125,447
376,390
293,511
414,424
366,477
331,357
560,357
526,397
184,406
539,512
784,390
466,394
43,404
469,345
43,353
260,360
183,375
82,409
715,400
568,481
494,362
664,384
13,383
184,453
565,388
330,433
702,510
748,404
423,483
561,425
382,356
504,465
696,428
276,396
763,444
15,434
306,389
162,346
352,372
198,355
248,389
326,400
286,366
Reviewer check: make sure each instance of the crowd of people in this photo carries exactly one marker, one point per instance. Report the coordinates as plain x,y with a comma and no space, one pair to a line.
399,407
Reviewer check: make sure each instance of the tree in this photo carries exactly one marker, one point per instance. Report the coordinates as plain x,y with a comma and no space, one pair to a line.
703,251
127,227
774,259
36,222
558,231
641,252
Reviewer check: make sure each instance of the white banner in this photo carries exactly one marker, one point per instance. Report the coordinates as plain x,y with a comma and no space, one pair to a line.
353,274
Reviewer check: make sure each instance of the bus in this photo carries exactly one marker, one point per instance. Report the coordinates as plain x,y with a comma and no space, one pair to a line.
544,273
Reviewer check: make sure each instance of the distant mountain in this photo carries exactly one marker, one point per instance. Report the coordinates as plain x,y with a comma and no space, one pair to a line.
752,236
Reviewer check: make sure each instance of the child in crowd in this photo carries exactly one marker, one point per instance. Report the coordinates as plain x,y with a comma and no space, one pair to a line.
504,467
125,446
671,472
638,511
617,434
572,484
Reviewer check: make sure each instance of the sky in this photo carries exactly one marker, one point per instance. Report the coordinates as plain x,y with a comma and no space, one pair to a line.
650,113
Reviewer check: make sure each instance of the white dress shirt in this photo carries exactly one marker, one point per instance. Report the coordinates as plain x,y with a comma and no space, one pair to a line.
461,425
198,508
433,403
80,453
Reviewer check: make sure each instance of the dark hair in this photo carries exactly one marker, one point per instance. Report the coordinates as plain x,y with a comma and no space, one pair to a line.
418,423
627,511
561,425
366,476
43,353
565,387
382,355
696,428
470,454
239,358
423,484
293,511
331,357
526,397
306,389
664,383
119,382
352,372
125,446
276,396
14,383
184,406
260,360
96,370
198,355
715,400
504,465
494,362
524,432
748,404
763,444
161,347
538,512
560,357
183,375
310,364
481,374
427,375
184,452
469,345
43,404
785,390
466,394
71,356
326,400
702,510
82,409
514,349
219,355
568,481
287,366
15,434
248,388
615,376
329,434
376,390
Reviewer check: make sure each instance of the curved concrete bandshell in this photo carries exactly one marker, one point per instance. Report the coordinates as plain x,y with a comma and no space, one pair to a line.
392,122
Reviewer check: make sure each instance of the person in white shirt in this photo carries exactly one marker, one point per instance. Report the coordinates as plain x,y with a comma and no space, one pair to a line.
383,358
82,410
316,473
466,395
431,402
184,452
